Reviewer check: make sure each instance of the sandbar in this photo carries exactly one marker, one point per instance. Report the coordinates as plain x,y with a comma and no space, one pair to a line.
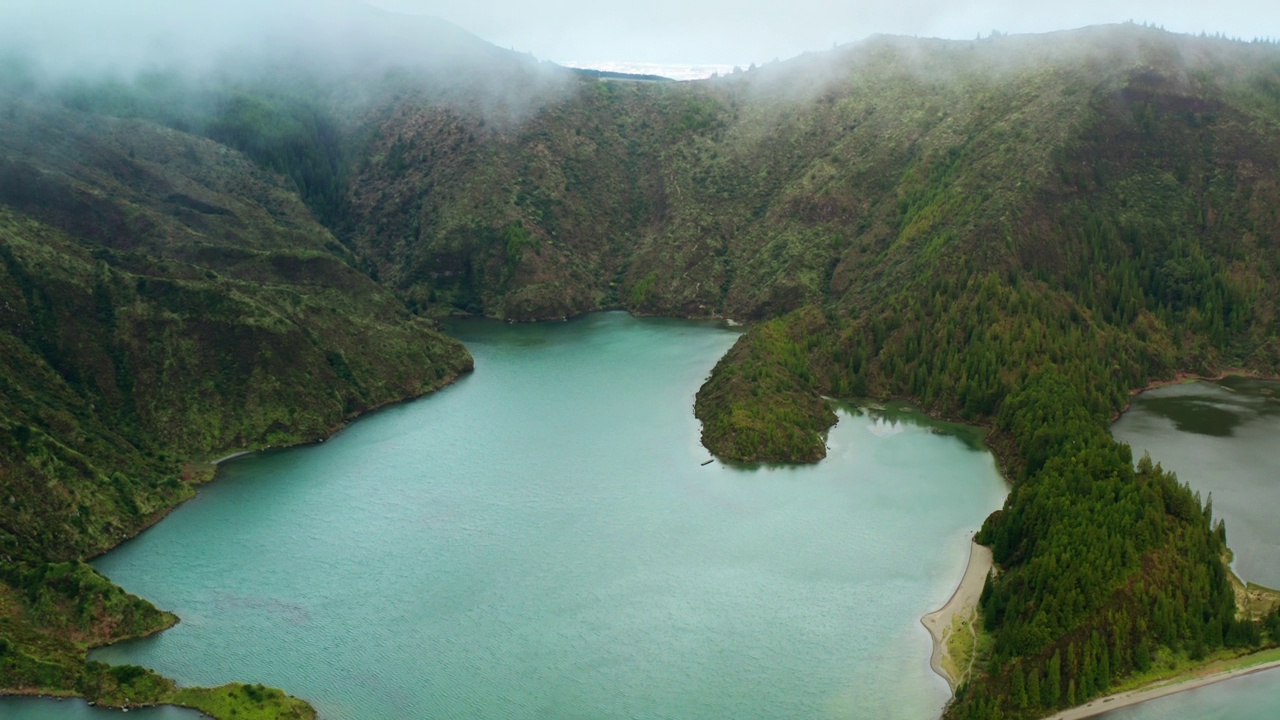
963,605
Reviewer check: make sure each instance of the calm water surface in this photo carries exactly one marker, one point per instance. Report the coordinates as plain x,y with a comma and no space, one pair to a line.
1221,438
75,709
541,540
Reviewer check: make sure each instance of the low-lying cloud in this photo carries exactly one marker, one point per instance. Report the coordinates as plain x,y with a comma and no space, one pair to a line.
744,31
126,37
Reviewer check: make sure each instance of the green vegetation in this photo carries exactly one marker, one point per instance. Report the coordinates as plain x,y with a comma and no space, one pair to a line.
280,128
246,702
773,365
51,614
1015,232
1168,668
1036,312
167,303
1105,567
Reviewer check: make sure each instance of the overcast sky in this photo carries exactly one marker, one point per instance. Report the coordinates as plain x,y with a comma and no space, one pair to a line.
77,36
745,31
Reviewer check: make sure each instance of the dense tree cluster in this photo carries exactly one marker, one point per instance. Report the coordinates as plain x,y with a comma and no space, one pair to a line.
281,127
774,364
1103,565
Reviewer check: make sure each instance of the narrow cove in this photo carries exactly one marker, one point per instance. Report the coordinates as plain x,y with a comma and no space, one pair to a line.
542,540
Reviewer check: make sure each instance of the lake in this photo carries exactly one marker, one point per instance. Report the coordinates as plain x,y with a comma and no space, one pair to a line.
542,540
77,709
1220,438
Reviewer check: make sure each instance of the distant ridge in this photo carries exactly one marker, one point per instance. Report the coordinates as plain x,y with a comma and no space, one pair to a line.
611,75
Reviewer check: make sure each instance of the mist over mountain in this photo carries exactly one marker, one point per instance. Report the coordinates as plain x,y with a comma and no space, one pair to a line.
119,40
319,48
745,32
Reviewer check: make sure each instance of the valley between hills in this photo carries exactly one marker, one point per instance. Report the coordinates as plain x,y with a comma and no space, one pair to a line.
1014,232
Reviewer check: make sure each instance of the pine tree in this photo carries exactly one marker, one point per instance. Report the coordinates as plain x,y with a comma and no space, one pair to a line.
1053,684
1033,689
1142,656
1018,688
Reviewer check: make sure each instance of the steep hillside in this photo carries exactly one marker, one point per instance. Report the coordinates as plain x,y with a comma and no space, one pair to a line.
162,301
1111,194
830,177
165,296
169,292
1113,222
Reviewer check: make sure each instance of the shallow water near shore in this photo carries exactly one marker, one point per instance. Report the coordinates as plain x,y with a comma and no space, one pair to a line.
541,540
36,708
1221,438
1252,697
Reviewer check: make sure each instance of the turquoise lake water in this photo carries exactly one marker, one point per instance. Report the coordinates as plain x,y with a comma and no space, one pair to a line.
45,709
541,540
1221,438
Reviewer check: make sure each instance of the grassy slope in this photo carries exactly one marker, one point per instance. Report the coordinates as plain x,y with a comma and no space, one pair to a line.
52,614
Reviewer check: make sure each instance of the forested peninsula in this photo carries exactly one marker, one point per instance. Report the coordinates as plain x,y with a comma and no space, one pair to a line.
1014,232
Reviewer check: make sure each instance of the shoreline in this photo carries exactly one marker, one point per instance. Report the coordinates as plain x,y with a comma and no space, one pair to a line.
232,456
163,513
1191,681
36,692
1182,378
40,695
962,605
1161,688
444,384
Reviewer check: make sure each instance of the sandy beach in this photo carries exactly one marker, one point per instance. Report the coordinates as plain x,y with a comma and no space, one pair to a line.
962,606
1169,687
959,613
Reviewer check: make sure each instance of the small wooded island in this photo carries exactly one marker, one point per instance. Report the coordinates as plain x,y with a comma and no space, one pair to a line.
1016,232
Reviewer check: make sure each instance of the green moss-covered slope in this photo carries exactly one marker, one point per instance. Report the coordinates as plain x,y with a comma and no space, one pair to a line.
51,614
